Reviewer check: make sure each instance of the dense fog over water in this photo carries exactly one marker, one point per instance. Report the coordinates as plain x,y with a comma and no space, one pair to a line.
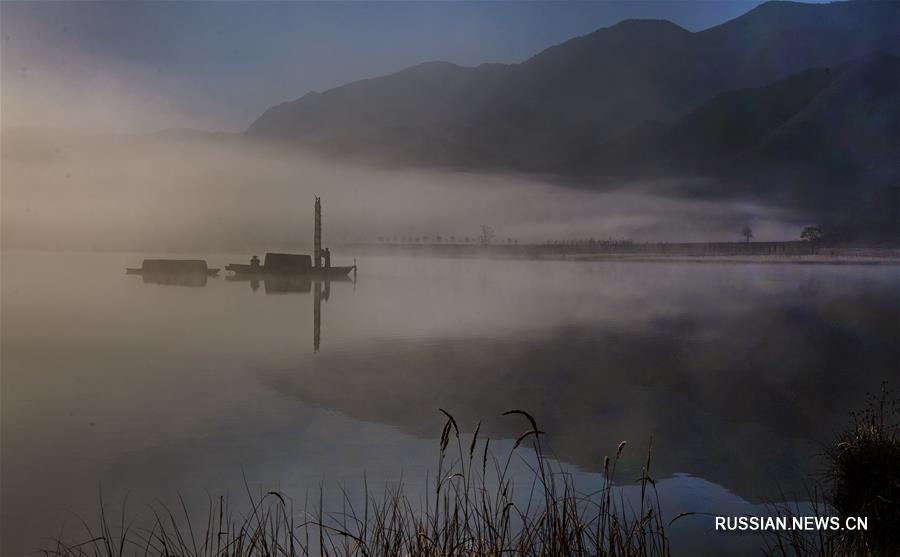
189,190
100,153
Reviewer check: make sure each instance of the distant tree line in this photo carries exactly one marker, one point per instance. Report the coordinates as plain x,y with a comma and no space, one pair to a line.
486,235
816,235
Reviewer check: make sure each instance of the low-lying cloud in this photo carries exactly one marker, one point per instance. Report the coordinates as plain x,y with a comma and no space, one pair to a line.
184,190
83,167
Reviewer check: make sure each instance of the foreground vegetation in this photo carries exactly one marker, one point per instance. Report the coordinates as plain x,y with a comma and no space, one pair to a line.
862,479
472,508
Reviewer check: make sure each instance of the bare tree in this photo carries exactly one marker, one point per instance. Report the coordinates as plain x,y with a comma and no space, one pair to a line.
487,234
747,233
813,235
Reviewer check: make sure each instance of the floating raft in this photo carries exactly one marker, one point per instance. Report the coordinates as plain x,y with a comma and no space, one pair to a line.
173,267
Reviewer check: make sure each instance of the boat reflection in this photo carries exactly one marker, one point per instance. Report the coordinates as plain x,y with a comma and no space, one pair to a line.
175,279
320,294
285,284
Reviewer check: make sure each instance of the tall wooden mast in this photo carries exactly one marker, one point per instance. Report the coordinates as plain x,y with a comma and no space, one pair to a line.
317,237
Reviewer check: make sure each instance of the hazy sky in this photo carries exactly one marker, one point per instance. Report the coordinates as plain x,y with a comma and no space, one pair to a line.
220,64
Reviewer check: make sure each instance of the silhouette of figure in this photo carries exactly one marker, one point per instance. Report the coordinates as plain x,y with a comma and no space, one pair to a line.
254,263
327,257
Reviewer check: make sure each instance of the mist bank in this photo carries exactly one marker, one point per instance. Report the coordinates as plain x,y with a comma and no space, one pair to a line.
191,190
540,151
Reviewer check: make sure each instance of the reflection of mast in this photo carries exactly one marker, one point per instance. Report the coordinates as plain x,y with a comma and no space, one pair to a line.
321,293
317,236
317,314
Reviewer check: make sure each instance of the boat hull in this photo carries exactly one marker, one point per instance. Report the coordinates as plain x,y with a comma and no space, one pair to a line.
311,272
138,271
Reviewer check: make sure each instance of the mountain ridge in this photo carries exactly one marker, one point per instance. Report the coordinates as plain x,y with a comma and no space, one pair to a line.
577,109
563,91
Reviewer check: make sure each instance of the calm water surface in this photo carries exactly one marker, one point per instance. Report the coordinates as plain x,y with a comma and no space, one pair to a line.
738,372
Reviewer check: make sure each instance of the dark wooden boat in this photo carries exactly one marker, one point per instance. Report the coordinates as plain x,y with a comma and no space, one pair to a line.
177,272
296,265
173,267
288,264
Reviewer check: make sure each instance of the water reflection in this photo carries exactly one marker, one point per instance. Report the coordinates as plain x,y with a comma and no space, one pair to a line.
275,284
176,279
738,372
320,296
282,284
738,387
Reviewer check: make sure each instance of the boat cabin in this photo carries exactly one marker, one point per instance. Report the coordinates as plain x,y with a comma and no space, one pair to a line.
287,263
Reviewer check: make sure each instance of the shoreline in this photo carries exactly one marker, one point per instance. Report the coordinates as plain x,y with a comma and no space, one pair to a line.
794,253
745,259
754,253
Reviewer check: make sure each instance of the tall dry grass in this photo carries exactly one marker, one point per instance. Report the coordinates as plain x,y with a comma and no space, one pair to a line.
862,479
472,507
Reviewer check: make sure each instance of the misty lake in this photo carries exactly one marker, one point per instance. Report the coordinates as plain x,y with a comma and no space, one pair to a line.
739,372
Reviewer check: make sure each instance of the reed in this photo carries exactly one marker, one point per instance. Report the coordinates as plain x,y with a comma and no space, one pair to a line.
863,475
471,508
862,479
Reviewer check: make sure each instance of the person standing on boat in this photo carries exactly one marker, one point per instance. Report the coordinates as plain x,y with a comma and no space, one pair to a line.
327,253
254,263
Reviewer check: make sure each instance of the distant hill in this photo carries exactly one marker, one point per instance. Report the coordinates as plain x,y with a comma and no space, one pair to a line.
526,115
825,141
792,102
826,125
706,140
